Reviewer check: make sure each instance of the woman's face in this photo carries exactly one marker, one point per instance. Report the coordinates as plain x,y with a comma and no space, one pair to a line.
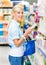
18,15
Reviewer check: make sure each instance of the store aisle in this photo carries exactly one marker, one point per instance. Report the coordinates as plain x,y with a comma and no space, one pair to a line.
4,51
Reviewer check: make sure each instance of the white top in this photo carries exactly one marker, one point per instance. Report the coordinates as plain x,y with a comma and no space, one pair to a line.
14,31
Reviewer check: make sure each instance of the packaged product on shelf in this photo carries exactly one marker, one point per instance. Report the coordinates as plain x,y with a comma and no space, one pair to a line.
38,59
40,40
5,25
1,25
9,17
42,26
44,61
6,3
44,46
31,18
5,33
0,12
3,40
32,57
6,18
9,11
1,18
4,11
34,34
1,33
0,3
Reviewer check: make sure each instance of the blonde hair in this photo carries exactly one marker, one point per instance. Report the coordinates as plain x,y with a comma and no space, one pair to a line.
16,7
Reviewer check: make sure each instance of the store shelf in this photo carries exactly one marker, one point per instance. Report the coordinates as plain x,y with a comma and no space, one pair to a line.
4,44
6,7
42,52
6,14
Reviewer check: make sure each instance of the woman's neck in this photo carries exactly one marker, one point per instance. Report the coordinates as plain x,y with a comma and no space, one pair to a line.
16,20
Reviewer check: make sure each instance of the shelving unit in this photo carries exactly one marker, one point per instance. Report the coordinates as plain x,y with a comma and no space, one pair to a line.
40,55
5,17
42,51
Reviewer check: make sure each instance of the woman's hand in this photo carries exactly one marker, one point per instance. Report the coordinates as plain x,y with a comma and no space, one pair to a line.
29,30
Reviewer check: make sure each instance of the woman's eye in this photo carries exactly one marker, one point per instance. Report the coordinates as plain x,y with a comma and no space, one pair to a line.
20,12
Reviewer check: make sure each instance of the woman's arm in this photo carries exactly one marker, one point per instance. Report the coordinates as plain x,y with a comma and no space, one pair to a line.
18,42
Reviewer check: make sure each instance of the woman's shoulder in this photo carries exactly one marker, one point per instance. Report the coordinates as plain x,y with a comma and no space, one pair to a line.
13,23
12,26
